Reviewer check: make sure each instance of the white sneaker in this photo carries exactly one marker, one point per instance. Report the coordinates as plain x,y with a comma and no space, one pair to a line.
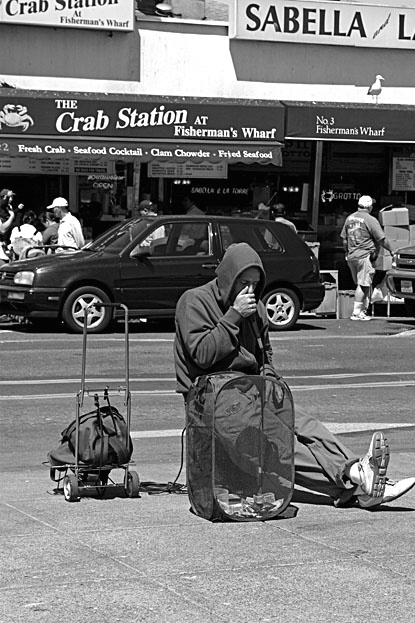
393,491
360,316
372,467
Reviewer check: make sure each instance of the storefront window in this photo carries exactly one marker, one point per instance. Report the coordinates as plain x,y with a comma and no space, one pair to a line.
102,199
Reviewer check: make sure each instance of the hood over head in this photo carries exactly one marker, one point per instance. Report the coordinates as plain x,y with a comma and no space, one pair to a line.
238,257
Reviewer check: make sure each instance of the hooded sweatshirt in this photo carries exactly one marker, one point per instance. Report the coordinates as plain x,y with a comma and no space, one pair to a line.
211,336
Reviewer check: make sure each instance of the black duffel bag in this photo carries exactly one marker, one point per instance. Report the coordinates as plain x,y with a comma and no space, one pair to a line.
102,440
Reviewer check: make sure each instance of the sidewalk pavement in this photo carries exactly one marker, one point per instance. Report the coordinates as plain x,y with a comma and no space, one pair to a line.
120,560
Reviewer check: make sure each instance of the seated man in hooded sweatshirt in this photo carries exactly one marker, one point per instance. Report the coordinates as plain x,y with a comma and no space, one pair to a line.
215,332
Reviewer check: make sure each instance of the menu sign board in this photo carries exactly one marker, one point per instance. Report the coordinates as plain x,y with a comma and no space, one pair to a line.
188,169
403,174
53,166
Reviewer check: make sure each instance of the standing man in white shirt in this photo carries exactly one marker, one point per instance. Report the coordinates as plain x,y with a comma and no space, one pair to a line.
70,229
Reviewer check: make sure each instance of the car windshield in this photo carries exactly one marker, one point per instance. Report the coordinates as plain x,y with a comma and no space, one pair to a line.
119,236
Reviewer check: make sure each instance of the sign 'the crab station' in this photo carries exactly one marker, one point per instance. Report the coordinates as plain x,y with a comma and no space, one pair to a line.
95,14
140,127
147,119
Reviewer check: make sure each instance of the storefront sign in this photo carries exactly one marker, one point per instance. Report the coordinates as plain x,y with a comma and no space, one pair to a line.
403,174
330,195
333,23
351,123
146,152
223,190
188,169
102,182
139,119
95,14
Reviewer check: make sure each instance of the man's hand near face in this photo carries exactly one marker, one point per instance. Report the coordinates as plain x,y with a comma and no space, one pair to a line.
245,303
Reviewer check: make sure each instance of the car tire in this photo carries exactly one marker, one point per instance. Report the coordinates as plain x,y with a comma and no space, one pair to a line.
283,308
73,310
409,305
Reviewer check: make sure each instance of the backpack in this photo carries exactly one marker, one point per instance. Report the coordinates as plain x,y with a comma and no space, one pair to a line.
21,244
102,440
240,447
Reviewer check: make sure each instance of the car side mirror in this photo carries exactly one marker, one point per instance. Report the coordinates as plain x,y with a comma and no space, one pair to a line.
141,252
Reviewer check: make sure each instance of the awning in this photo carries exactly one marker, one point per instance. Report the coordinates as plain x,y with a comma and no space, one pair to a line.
55,148
350,122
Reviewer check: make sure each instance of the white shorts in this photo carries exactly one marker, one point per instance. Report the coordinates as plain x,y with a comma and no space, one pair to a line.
362,271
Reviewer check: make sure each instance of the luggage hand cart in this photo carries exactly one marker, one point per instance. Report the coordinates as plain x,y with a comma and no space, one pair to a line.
79,476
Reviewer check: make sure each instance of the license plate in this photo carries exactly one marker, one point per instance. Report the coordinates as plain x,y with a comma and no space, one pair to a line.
406,286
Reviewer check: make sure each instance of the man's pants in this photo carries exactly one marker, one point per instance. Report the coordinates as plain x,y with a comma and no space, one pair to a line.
321,459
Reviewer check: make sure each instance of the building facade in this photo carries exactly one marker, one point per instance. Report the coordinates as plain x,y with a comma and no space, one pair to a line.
275,97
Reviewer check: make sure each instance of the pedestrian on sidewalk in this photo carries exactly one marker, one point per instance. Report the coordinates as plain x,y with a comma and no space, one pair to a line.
214,332
280,216
70,235
362,235
50,233
7,217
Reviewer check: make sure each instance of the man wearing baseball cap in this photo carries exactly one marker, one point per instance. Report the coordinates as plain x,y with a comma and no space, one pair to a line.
147,208
7,217
362,235
70,235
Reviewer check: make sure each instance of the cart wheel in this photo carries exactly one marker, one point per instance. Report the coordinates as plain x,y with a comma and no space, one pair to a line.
133,485
70,488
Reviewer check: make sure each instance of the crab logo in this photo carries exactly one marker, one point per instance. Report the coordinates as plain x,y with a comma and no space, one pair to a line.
327,195
15,116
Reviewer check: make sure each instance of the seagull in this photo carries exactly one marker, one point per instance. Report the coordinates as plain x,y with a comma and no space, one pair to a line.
376,88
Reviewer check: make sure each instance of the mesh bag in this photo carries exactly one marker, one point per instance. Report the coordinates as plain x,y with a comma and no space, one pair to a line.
240,447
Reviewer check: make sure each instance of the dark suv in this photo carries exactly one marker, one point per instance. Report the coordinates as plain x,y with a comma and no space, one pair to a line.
147,263
400,279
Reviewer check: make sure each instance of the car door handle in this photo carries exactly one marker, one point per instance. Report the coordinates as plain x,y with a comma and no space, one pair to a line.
213,265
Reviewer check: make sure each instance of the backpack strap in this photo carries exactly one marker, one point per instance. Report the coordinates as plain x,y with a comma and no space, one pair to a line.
122,453
101,446
101,449
120,449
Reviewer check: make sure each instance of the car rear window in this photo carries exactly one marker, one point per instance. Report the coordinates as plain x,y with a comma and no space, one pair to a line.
259,236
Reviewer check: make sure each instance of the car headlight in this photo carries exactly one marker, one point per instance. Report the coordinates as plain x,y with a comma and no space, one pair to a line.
394,260
24,278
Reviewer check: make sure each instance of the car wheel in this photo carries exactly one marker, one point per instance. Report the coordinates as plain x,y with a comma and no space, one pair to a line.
73,311
409,307
283,307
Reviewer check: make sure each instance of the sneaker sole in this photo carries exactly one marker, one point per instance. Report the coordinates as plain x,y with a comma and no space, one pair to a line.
361,319
380,456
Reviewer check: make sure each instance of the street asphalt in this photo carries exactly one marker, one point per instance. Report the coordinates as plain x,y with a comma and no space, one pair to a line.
121,560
